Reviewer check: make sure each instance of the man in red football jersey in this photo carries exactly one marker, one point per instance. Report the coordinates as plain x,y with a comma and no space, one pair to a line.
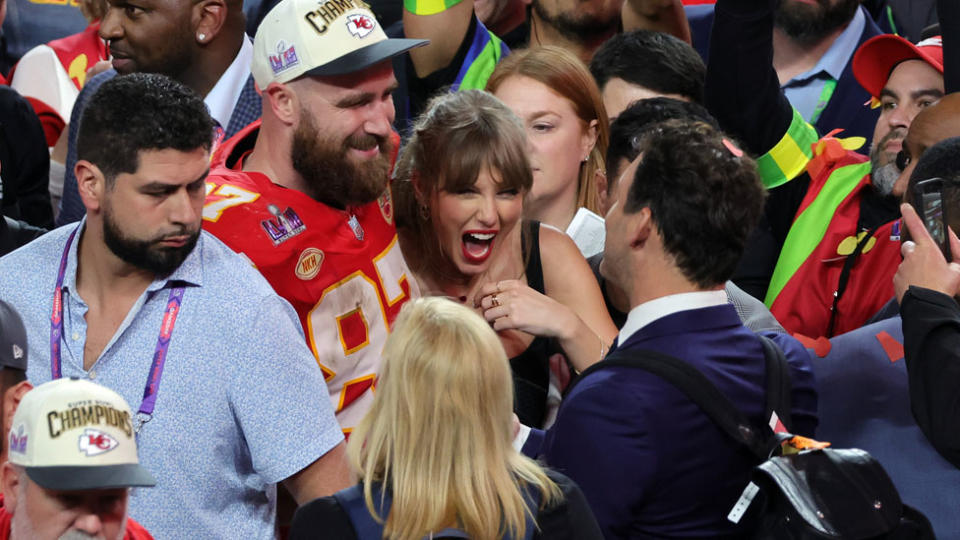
303,195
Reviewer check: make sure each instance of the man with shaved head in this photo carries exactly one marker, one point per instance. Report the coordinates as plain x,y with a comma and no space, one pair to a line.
934,124
199,43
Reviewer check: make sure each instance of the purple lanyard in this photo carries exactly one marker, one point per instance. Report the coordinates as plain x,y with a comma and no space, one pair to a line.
159,355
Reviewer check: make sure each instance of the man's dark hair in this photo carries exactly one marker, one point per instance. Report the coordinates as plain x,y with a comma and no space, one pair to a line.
641,116
704,195
941,160
140,111
652,60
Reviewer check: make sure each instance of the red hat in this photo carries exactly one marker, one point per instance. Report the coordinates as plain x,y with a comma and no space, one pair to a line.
877,57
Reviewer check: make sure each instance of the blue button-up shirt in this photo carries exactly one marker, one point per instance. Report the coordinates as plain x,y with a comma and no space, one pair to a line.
241,403
804,90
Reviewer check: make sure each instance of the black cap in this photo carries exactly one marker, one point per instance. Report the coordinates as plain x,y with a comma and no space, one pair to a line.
13,338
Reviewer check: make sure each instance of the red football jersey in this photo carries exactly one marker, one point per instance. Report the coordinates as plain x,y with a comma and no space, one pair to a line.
341,269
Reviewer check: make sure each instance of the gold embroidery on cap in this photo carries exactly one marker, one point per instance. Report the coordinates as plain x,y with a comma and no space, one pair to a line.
329,11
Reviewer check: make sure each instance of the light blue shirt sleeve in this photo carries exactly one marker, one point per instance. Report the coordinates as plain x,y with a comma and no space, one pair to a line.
298,409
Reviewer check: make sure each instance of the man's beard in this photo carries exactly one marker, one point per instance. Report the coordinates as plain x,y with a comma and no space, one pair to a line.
577,27
884,171
808,24
161,261
328,173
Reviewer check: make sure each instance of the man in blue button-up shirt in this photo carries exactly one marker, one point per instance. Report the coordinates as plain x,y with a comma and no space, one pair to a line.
230,399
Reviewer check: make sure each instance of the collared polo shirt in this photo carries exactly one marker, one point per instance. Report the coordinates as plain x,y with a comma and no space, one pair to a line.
241,403
804,91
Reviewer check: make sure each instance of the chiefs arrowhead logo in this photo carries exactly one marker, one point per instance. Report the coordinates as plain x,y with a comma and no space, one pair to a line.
94,442
360,25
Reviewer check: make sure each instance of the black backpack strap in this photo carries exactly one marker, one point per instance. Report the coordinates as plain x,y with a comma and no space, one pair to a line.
848,264
698,389
779,386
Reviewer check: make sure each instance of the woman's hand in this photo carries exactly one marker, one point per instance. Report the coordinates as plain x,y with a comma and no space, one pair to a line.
513,305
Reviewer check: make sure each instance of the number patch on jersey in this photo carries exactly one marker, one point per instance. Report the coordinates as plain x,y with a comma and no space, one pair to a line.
346,309
232,196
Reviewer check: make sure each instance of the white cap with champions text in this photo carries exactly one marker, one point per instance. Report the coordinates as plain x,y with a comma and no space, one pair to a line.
325,37
72,434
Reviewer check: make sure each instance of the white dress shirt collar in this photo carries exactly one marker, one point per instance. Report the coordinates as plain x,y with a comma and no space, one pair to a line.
658,308
223,97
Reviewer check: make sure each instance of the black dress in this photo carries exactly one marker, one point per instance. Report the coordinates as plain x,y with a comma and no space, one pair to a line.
531,368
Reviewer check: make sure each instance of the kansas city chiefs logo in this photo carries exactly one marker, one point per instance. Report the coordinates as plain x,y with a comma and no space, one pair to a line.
94,442
360,25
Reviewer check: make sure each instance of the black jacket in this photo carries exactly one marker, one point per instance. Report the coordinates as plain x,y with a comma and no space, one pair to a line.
24,162
931,342
14,234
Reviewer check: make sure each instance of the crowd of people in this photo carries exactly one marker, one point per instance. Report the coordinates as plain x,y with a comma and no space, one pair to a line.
398,261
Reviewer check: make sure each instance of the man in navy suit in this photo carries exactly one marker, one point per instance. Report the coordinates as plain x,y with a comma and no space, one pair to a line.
200,44
649,461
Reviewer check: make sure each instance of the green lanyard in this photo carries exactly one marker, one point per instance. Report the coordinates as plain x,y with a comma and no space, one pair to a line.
828,87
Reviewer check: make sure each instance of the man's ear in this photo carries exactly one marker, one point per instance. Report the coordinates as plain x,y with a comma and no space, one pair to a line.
91,184
11,400
209,17
640,227
10,480
283,102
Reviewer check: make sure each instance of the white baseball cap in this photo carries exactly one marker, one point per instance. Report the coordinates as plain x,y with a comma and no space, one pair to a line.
72,434
321,37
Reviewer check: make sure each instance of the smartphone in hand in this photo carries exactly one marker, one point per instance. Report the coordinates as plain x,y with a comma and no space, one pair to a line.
928,201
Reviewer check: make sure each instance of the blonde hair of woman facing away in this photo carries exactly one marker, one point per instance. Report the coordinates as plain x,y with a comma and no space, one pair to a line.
438,436
555,96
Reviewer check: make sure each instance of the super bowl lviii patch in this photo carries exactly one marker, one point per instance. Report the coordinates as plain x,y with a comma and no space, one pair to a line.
284,225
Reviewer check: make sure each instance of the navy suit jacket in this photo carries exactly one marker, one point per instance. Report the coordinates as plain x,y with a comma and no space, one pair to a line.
650,463
846,107
246,110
